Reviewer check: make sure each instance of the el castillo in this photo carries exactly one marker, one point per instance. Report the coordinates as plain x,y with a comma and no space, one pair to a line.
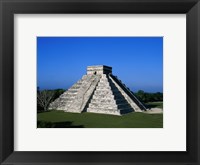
99,91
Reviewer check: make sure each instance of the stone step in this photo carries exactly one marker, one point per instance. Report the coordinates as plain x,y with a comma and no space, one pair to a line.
68,99
110,106
121,101
103,100
110,111
123,106
104,75
108,96
72,91
75,87
56,105
60,107
113,87
103,105
65,95
103,80
65,102
68,105
107,92
116,92
103,92
104,111
118,96
103,88
103,84
124,111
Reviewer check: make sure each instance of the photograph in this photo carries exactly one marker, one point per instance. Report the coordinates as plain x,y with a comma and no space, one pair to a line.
100,82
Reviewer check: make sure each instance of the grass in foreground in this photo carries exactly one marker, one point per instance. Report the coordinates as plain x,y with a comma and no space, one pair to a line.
60,119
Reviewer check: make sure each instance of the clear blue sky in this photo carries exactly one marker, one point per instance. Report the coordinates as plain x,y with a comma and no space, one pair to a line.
137,61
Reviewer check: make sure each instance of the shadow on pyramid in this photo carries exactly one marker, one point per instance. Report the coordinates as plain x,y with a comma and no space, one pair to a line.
99,92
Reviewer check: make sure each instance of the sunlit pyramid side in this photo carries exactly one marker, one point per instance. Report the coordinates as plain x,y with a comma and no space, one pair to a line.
98,92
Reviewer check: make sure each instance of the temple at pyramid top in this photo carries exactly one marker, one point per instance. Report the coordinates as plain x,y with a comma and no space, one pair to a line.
99,69
99,91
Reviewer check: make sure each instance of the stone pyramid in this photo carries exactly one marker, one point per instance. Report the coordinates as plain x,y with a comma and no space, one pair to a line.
99,92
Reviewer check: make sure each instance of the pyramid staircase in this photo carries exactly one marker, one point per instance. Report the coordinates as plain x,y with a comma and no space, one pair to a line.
76,97
98,92
108,99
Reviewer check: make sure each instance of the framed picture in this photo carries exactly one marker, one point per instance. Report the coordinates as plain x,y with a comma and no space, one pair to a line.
112,82
79,95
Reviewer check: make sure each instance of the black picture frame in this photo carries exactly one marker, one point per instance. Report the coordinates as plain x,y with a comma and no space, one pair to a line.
10,7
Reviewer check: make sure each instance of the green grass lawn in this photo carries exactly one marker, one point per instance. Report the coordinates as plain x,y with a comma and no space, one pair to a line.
154,104
60,119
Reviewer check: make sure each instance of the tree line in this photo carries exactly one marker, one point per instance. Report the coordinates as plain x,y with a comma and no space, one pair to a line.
149,97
